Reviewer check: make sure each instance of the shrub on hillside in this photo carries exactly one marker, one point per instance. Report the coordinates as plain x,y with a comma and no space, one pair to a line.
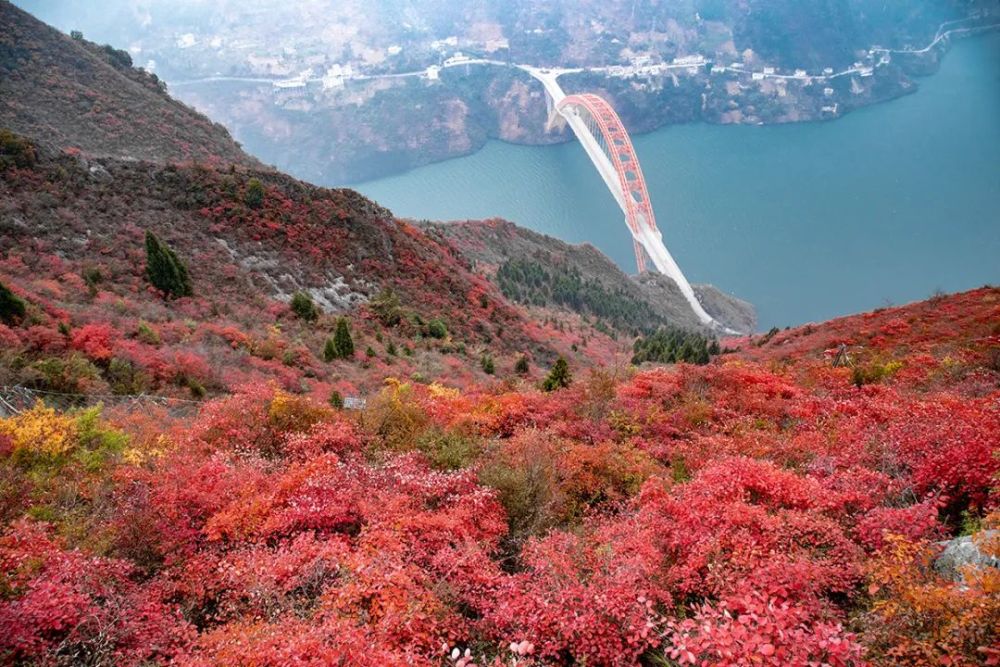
387,308
559,377
12,307
165,270
15,151
304,307
254,197
437,329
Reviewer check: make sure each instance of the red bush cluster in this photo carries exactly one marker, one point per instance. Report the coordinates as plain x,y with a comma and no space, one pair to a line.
764,509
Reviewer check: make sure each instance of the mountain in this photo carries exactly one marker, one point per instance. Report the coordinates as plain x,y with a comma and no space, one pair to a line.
78,198
536,269
71,94
245,420
343,112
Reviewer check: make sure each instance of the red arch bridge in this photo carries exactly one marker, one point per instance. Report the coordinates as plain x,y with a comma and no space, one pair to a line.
609,147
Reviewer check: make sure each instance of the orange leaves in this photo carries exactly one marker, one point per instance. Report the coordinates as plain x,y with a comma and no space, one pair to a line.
917,617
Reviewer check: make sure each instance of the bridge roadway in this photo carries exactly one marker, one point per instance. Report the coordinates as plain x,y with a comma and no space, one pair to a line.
639,217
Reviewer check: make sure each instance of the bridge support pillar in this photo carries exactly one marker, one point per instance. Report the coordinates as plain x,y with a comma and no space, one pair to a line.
555,120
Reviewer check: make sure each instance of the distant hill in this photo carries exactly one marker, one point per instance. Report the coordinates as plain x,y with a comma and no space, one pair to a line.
536,269
69,93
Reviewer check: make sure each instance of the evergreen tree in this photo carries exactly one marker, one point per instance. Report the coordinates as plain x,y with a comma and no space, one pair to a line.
12,307
254,197
342,339
387,307
302,305
559,377
165,270
522,367
336,399
487,363
330,350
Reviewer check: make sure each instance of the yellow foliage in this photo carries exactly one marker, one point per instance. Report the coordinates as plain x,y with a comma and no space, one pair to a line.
294,414
440,391
143,455
40,430
395,416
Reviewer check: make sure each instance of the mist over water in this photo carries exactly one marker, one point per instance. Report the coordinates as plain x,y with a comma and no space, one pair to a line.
806,221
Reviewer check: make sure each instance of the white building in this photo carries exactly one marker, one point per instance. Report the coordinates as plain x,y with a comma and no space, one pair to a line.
456,59
394,50
827,71
828,92
769,70
284,84
334,77
690,60
757,76
801,74
433,73
444,44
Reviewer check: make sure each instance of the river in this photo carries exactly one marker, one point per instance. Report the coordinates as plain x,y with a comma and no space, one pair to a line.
807,221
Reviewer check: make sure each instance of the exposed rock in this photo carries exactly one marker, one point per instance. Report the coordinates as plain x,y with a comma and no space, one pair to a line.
965,551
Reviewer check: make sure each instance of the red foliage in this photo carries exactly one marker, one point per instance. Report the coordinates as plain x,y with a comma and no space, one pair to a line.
65,601
97,341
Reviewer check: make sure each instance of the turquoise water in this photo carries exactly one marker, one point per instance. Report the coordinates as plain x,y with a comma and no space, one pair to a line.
806,221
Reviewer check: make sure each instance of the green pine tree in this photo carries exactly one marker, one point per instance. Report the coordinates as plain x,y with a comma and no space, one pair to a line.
342,339
165,270
487,363
302,305
330,350
559,377
522,367
12,307
254,197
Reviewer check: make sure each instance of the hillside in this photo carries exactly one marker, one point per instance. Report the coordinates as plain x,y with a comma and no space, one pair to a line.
535,269
71,238
184,482
72,94
770,508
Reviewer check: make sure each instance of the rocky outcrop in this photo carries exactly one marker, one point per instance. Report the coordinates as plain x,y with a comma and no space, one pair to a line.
964,555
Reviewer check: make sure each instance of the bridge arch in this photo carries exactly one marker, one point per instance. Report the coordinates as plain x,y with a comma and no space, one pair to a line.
614,141
603,136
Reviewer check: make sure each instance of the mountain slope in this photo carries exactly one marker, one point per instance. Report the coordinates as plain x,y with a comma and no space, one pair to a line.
71,94
583,279
67,217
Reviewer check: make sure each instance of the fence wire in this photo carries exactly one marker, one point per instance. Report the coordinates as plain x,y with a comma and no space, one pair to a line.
16,399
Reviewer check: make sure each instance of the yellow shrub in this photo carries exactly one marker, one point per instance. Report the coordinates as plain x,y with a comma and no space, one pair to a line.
294,414
40,430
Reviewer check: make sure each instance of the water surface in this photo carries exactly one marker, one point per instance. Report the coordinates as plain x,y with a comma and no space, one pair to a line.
807,221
